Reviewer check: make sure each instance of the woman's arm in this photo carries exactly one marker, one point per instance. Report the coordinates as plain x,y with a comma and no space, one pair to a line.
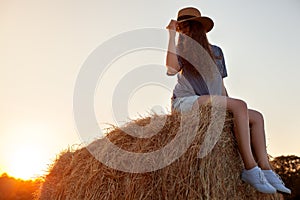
171,59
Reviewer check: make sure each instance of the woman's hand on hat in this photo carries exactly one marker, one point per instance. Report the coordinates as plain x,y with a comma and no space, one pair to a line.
172,25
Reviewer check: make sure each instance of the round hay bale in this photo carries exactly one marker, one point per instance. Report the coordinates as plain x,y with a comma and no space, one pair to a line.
79,175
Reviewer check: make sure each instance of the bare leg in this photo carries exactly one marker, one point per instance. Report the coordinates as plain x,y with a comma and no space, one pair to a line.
259,146
258,139
241,126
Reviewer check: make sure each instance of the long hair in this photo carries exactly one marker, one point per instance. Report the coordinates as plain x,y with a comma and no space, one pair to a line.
196,31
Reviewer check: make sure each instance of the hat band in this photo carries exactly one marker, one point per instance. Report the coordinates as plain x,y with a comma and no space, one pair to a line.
183,17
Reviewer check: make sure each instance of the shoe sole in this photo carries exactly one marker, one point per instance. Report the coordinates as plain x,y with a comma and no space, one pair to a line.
260,191
280,192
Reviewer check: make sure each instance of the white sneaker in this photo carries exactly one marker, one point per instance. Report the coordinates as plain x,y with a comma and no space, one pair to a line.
275,180
256,178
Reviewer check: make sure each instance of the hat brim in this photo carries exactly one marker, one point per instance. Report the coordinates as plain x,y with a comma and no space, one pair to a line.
205,21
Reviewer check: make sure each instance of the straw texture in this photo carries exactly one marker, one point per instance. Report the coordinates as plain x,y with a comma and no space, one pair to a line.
77,175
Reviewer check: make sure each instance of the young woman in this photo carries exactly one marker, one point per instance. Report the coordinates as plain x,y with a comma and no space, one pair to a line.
191,89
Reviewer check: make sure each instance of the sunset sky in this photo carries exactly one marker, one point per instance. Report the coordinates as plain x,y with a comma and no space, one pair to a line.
44,44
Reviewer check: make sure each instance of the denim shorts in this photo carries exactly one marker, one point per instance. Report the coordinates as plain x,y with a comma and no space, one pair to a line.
184,104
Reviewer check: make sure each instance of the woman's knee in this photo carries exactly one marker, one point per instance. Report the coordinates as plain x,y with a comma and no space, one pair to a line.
237,104
241,103
255,116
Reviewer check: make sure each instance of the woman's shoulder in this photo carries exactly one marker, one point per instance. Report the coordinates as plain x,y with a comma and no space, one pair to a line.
216,48
217,51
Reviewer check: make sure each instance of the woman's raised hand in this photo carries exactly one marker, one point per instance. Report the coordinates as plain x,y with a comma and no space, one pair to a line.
172,25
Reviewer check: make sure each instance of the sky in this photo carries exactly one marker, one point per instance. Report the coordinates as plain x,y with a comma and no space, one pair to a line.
44,45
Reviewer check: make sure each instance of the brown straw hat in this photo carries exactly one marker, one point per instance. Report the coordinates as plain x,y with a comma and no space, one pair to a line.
191,13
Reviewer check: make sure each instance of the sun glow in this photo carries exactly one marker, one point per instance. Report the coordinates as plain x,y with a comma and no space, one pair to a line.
26,163
25,154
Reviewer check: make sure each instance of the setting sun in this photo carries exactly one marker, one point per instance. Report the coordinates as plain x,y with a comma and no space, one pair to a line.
25,156
25,163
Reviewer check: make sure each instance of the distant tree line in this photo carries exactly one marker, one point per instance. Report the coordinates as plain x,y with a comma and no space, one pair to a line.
288,167
17,189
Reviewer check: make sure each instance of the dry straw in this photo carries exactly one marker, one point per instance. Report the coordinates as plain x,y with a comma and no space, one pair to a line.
77,175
